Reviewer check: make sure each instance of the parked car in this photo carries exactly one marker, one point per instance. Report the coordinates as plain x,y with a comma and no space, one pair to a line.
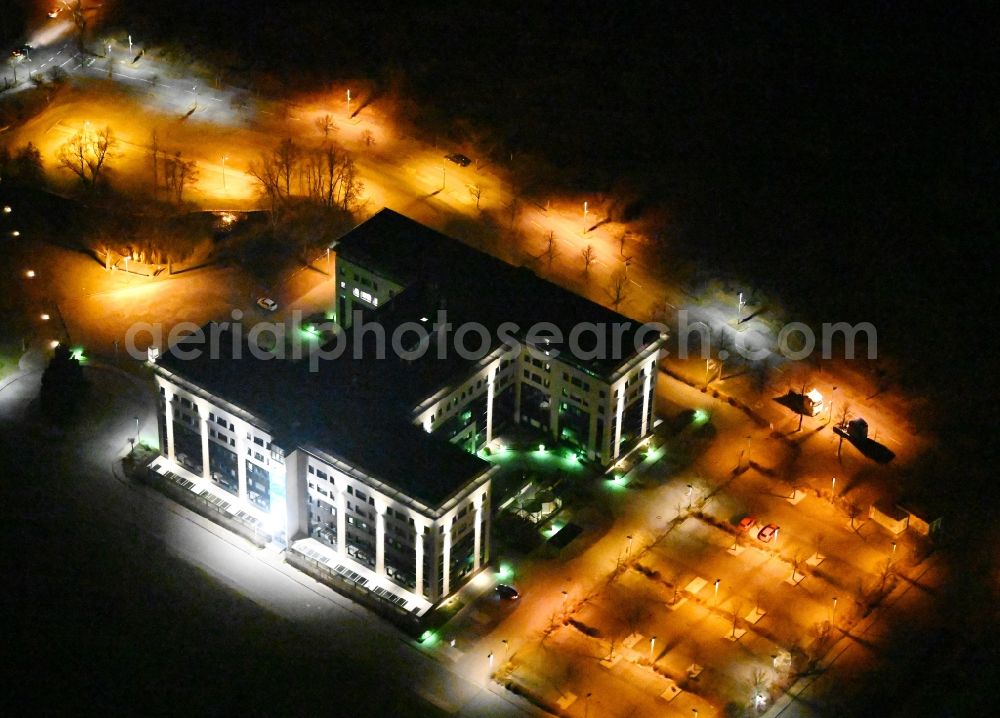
267,303
459,159
768,533
508,592
747,523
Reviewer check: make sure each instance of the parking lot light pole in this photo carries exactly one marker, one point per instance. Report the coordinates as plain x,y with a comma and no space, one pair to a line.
628,548
833,615
717,582
652,644
506,648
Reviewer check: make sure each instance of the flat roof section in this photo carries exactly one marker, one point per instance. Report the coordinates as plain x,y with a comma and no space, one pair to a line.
363,427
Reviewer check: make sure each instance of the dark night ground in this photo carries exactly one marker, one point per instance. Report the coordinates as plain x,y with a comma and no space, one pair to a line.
843,163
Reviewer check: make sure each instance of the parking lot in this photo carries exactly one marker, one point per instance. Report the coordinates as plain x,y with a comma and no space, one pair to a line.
674,607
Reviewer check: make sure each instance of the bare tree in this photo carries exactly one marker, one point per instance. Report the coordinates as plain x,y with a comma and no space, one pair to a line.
178,173
514,208
476,190
844,414
589,255
550,247
350,185
154,150
265,171
325,126
286,158
330,177
618,288
86,154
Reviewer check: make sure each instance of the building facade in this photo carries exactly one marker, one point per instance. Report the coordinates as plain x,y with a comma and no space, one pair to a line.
368,465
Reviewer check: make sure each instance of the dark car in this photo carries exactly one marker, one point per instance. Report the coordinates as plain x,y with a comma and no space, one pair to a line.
459,159
508,592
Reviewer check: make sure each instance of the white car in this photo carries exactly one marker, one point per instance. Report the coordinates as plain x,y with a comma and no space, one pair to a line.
267,303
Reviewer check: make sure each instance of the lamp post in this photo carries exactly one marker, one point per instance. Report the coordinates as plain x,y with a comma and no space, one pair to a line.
506,648
690,490
129,44
136,429
628,548
224,158
490,657
717,582
833,615
348,102
652,644
833,485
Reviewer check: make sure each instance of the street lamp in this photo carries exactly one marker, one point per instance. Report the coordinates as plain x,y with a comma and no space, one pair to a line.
348,102
628,549
833,485
833,616
652,643
506,648
717,582
30,273
15,233
136,429
7,209
45,317
490,657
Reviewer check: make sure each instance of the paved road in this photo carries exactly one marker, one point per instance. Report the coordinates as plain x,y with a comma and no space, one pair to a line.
87,483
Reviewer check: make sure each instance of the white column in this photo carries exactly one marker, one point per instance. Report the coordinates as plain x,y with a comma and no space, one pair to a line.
646,398
617,448
418,542
341,521
170,426
380,540
490,382
477,540
446,551
241,460
206,472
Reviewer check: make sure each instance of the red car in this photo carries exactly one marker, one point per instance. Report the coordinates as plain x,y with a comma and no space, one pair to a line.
747,523
768,533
